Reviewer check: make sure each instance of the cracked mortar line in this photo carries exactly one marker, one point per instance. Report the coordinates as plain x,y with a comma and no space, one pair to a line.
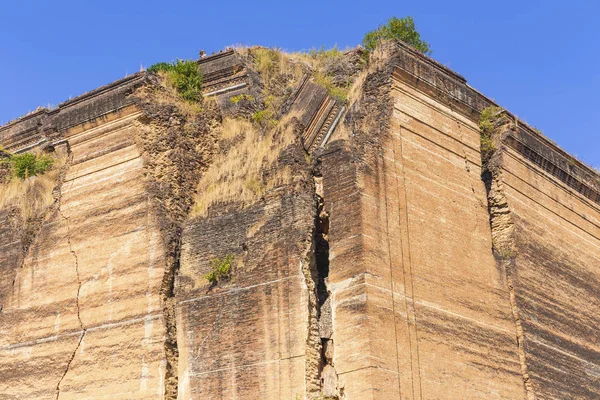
83,329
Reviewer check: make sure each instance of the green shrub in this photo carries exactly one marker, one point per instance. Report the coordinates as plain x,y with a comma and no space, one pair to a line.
220,269
486,127
27,165
160,67
184,76
397,28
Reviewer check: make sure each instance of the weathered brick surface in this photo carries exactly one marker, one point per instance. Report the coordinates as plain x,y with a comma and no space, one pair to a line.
440,287
557,235
94,270
247,338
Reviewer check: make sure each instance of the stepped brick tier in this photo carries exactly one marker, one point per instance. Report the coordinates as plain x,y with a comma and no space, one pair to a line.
398,263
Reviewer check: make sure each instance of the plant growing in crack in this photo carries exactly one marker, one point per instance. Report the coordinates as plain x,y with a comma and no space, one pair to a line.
220,269
487,121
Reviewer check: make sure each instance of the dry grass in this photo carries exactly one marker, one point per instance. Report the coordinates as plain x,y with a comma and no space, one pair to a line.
31,196
247,170
280,75
271,63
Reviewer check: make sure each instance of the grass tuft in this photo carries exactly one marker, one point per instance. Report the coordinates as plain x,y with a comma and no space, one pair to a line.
487,121
220,269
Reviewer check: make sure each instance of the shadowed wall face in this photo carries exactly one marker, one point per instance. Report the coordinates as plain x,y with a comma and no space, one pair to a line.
557,276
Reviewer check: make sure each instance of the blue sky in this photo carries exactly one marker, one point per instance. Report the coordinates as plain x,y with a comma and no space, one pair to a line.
539,59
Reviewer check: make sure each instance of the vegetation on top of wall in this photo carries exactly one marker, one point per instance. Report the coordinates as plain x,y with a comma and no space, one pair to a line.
182,75
326,62
280,75
337,92
486,127
397,29
220,269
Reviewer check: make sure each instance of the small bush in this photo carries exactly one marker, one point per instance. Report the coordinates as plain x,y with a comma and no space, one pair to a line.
487,118
220,269
160,67
399,29
264,117
27,165
184,76
486,127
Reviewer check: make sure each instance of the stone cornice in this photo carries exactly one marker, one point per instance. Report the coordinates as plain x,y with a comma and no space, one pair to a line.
451,89
47,126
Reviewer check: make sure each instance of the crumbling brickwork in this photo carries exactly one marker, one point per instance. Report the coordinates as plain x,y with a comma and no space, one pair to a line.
388,260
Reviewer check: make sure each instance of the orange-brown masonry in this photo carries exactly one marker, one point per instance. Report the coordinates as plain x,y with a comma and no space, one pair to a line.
390,262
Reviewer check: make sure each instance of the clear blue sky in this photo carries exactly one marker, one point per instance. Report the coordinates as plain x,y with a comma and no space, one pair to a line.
539,59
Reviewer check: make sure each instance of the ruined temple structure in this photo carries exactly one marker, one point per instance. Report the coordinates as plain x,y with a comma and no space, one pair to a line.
385,251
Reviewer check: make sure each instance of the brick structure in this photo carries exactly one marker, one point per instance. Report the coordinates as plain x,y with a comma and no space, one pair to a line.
395,264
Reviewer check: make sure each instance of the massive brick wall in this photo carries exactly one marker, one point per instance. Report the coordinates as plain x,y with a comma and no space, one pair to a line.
84,307
448,278
247,338
416,284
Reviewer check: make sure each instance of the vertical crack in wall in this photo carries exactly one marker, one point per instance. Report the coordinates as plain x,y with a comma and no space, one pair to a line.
502,227
313,344
167,294
79,282
328,382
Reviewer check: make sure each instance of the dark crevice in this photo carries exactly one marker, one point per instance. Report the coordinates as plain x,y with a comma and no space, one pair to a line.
169,311
328,375
502,229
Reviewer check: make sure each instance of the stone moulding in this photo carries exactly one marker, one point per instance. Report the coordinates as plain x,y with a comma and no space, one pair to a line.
568,170
46,126
222,72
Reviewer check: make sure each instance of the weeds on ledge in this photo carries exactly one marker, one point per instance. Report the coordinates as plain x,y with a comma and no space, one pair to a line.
182,75
240,97
337,92
220,269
